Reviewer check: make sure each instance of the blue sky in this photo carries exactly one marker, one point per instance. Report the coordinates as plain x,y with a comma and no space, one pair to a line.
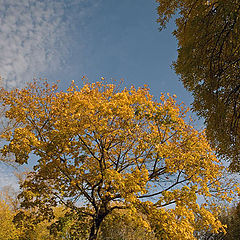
64,40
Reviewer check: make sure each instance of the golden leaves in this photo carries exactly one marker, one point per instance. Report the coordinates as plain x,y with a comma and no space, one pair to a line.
102,145
7,229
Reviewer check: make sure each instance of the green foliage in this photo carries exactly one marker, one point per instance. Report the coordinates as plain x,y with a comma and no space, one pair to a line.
208,34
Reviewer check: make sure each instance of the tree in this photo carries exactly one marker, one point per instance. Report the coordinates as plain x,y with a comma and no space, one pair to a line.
121,224
5,125
38,230
209,65
100,149
231,218
7,228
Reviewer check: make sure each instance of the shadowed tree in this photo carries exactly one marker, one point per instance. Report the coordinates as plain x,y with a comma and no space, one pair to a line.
231,218
209,65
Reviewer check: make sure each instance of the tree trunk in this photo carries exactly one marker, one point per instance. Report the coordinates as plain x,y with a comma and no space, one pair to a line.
95,227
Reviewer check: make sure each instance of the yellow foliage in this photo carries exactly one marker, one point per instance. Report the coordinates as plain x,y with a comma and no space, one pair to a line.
98,145
8,230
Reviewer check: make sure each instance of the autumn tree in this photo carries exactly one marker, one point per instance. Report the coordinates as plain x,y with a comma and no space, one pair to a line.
5,125
231,218
31,229
102,149
209,65
7,228
122,224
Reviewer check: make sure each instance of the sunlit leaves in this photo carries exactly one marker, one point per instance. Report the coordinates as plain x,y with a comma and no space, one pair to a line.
7,228
103,149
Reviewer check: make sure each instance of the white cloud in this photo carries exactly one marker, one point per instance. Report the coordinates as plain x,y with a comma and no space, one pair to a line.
34,36
34,39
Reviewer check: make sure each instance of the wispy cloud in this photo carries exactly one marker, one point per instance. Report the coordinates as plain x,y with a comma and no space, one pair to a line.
34,36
